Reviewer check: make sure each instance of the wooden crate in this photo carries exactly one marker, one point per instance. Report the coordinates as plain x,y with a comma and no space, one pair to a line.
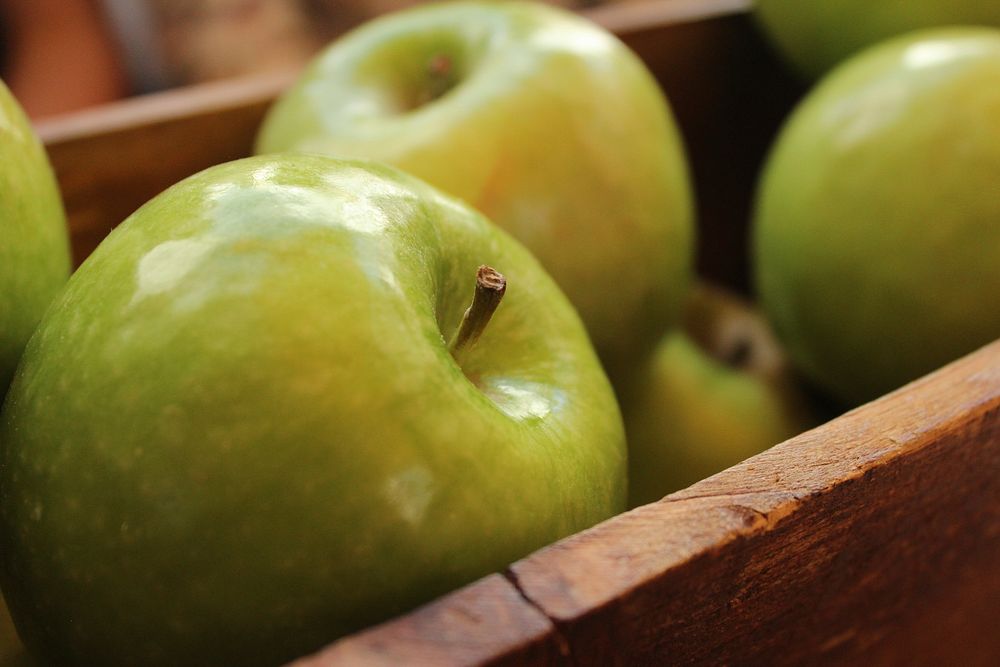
873,538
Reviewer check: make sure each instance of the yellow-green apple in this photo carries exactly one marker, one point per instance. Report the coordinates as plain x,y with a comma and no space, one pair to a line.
877,227
716,391
815,36
538,118
241,430
34,247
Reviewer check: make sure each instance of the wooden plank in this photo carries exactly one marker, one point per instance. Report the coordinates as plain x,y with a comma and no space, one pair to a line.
487,622
875,537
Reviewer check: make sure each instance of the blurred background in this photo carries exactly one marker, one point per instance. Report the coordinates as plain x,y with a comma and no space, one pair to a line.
62,55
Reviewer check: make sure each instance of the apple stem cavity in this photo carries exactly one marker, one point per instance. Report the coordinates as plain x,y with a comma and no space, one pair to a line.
440,65
441,75
739,354
490,288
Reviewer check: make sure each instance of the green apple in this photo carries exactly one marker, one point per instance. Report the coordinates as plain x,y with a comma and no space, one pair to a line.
814,36
877,230
34,247
716,391
239,432
538,118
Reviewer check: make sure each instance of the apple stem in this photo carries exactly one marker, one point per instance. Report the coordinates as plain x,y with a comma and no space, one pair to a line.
490,288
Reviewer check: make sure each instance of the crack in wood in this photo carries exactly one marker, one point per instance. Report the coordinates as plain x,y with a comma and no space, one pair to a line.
561,639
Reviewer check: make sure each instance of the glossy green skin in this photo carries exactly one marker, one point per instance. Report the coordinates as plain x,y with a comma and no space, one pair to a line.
239,433
34,247
816,35
693,416
553,129
877,230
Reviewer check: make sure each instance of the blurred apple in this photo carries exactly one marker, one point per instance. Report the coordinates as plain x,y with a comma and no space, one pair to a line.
715,393
541,120
34,247
816,35
877,228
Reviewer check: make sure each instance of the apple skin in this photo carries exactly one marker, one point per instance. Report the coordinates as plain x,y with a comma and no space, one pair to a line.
238,433
877,227
545,122
716,392
815,36
34,246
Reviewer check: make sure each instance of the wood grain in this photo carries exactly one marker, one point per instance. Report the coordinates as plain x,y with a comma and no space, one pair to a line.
875,537
485,623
